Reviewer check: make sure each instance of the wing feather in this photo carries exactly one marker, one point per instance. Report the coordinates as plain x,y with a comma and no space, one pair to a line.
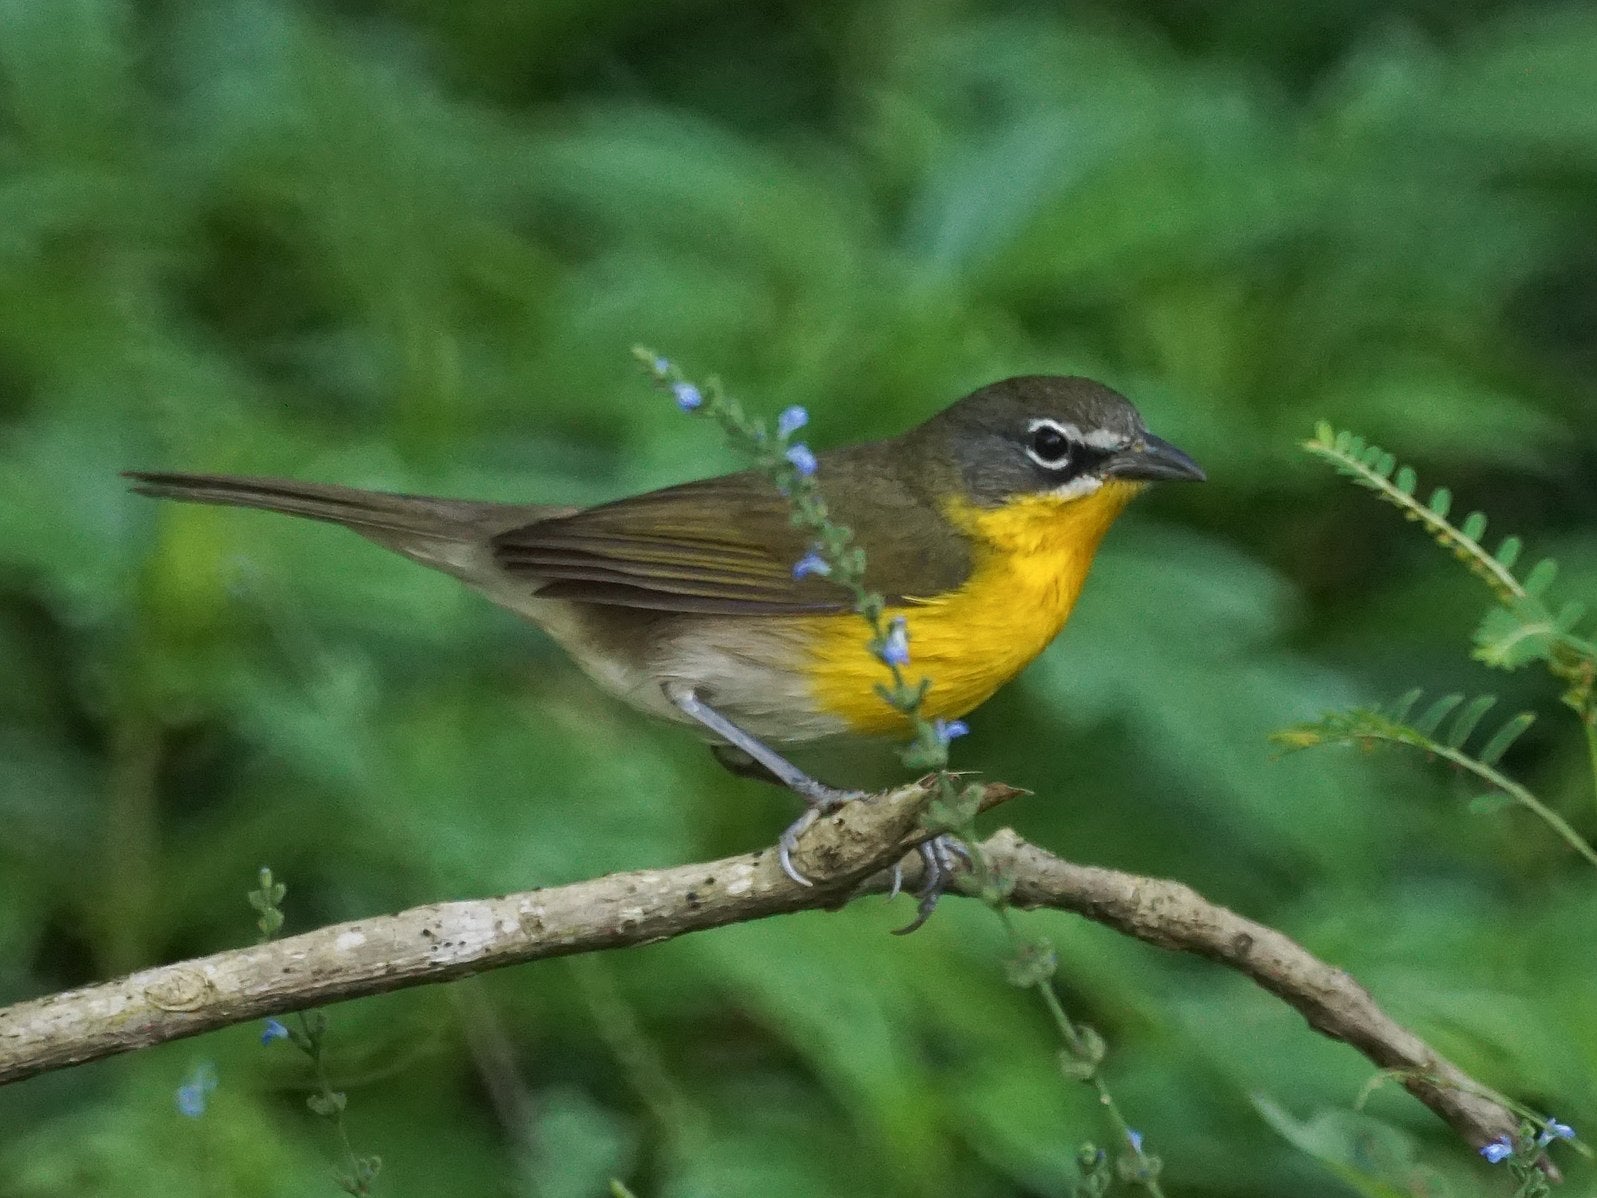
724,545
728,545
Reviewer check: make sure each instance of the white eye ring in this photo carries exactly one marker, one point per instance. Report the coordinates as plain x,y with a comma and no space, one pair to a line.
1063,442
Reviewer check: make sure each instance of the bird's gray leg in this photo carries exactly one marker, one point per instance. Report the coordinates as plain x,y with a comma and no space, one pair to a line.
739,763
819,798
770,761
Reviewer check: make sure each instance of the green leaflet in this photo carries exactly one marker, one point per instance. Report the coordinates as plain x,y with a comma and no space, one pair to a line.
1516,635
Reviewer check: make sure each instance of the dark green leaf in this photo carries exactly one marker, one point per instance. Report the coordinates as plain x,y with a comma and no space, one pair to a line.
1436,713
1510,637
1404,704
1541,576
1461,728
1493,750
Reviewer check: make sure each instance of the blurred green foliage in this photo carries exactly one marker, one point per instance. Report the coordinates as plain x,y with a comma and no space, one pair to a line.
407,245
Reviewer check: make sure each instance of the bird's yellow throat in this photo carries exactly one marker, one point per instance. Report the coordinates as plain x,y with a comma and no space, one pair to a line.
1031,558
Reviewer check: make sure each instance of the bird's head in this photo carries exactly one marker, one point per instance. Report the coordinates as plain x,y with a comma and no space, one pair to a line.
1051,437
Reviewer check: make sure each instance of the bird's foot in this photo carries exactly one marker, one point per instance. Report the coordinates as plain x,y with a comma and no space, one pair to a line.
942,857
819,800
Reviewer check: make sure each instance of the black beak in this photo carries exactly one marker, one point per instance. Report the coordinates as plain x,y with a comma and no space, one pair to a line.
1148,459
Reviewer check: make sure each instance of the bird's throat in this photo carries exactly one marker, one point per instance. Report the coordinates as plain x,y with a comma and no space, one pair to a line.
1030,561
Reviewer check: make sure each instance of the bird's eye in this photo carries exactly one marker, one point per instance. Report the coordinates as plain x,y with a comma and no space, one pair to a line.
1049,447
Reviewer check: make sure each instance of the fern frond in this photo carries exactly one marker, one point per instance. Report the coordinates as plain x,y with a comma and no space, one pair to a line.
1523,629
1365,727
1350,456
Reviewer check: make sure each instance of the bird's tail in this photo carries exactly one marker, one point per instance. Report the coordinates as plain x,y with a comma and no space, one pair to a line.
375,512
446,534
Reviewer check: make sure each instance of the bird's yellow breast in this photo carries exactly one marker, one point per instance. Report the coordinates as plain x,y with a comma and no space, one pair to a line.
1031,557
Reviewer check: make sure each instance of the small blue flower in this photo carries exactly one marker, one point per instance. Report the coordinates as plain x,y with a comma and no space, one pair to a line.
790,421
273,1030
662,366
1498,1150
687,396
801,457
947,730
811,563
1554,1131
895,649
191,1095
191,1100
1134,1137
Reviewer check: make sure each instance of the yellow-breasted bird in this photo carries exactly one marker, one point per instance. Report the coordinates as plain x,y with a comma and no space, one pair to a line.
978,525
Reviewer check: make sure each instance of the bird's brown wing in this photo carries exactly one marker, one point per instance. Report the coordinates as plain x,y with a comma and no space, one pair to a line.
723,546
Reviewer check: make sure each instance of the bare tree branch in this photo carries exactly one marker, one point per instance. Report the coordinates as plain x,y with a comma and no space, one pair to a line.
1175,916
848,853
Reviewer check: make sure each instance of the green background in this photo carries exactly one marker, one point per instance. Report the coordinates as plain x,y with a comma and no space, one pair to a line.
409,244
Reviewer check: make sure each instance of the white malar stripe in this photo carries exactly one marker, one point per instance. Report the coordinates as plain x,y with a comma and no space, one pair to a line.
1084,484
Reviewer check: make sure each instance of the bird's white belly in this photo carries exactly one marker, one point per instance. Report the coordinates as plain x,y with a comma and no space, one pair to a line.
738,665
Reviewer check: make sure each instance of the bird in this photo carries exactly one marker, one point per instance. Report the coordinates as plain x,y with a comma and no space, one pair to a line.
979,526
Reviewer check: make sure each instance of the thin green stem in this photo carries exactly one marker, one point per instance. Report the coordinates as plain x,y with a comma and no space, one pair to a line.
329,1104
1400,735
333,1104
1523,796
1496,575
310,1039
1087,1048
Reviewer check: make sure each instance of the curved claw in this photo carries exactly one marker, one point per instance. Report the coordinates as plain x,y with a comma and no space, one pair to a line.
819,803
789,841
953,846
940,859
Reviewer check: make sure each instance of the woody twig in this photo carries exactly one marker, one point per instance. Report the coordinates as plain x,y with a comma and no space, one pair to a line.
846,854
